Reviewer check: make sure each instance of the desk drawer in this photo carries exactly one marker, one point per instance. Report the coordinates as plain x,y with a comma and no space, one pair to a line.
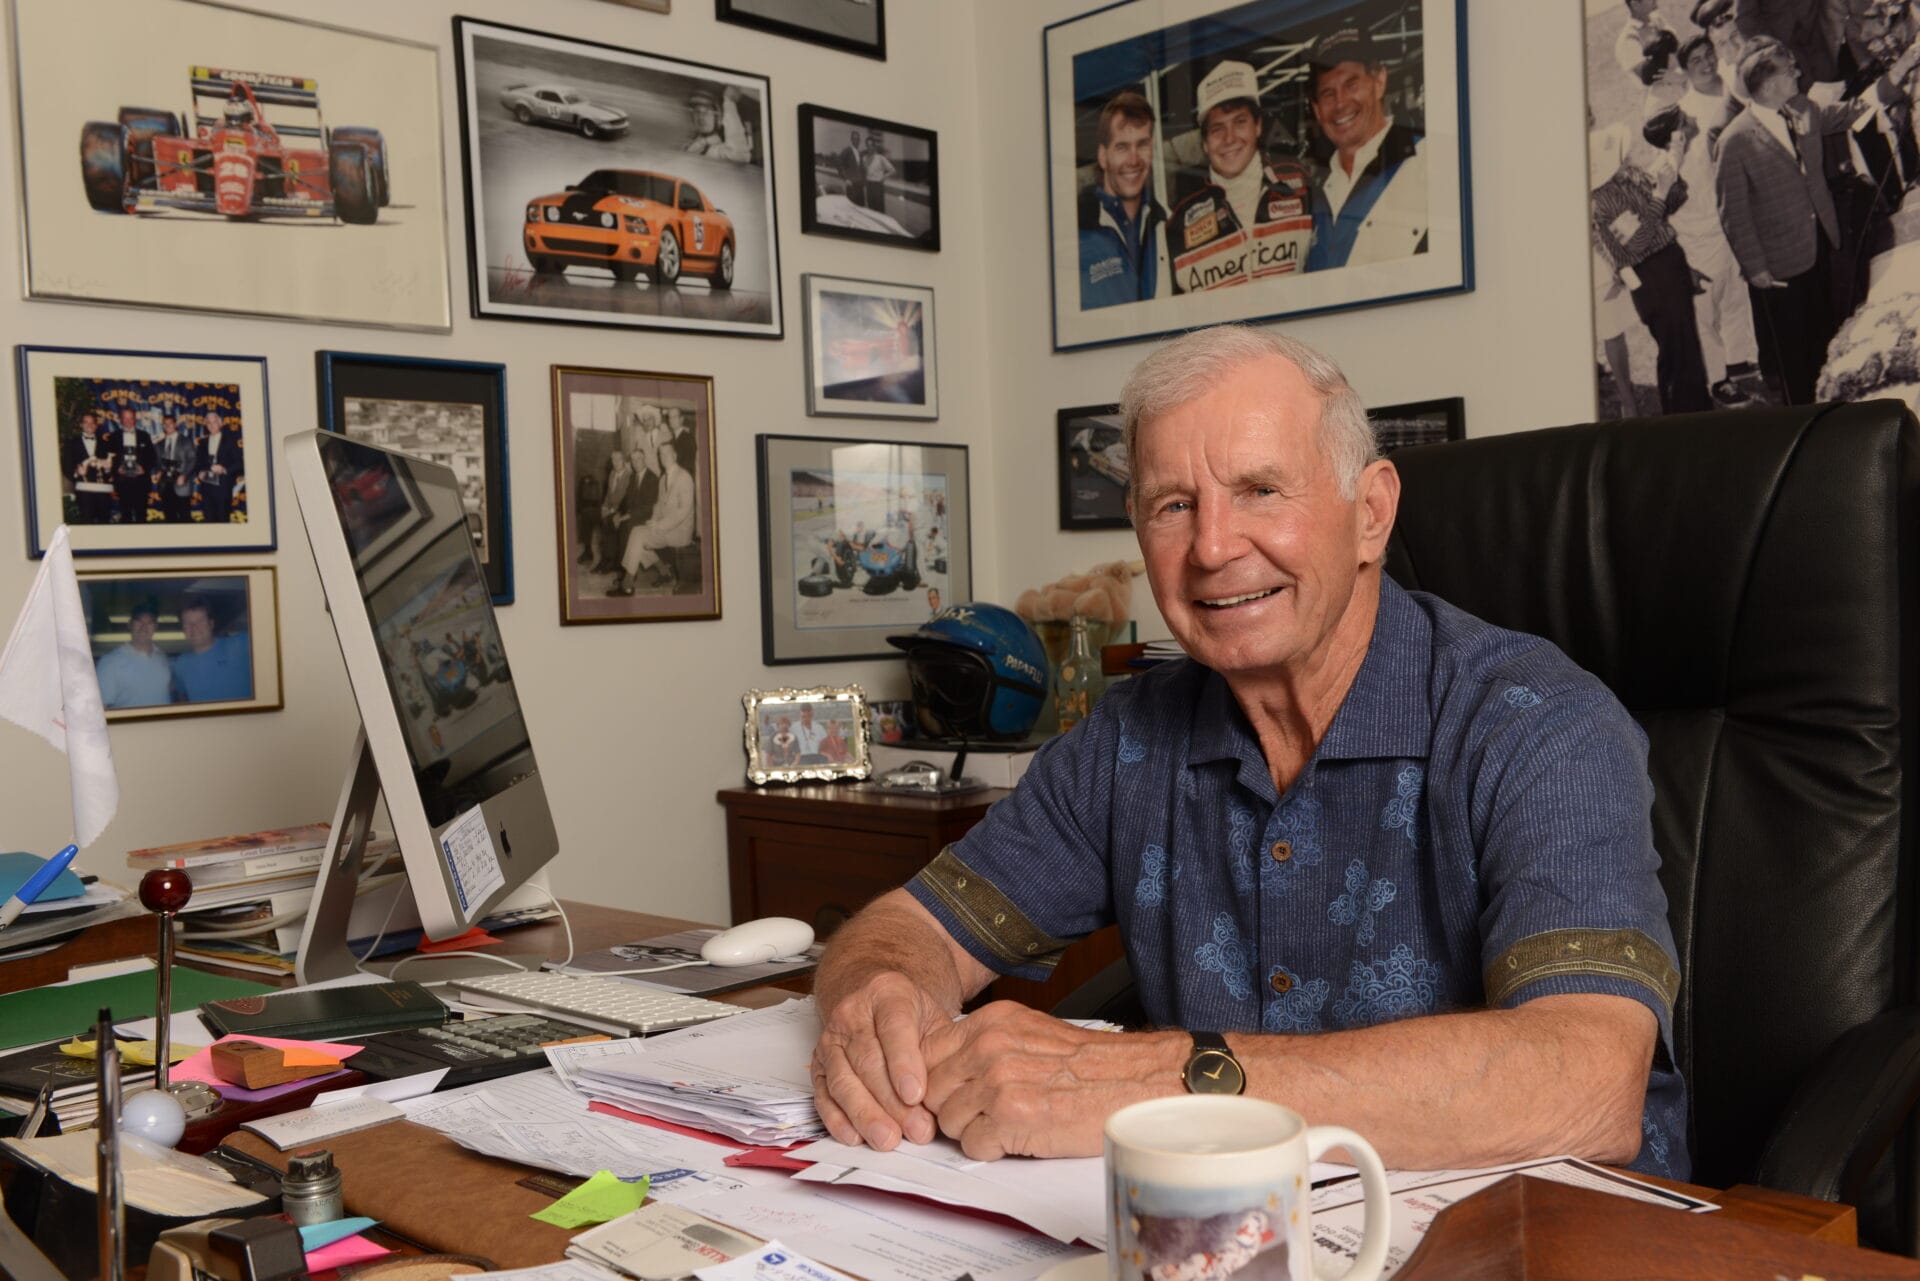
820,875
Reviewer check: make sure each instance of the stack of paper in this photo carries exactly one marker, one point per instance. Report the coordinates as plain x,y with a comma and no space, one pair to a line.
745,1077
659,1241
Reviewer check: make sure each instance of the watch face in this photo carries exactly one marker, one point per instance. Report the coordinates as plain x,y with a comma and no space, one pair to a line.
1214,1072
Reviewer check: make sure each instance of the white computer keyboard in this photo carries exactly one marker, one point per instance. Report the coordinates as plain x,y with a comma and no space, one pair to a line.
608,1002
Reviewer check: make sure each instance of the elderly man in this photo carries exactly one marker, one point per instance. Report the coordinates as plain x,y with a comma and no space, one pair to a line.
1123,249
1245,221
1371,205
1402,859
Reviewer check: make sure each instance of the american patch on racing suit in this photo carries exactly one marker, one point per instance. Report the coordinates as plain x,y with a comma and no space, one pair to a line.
1211,250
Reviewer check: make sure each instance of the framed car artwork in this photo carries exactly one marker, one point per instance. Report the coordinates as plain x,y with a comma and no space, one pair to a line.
1285,158
606,186
230,161
871,349
1094,474
452,412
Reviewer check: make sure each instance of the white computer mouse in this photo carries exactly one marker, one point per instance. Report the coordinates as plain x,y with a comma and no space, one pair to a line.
752,942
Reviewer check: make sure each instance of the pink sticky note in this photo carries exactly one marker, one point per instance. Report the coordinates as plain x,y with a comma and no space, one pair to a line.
342,1253
200,1066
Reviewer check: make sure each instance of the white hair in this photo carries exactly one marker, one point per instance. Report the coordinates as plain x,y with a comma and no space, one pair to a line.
1193,364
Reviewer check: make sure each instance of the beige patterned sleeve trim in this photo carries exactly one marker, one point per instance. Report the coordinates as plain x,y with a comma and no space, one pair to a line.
1619,954
989,915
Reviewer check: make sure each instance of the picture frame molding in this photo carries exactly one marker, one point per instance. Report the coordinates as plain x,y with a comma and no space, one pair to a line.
809,114
818,405
272,581
724,11
859,762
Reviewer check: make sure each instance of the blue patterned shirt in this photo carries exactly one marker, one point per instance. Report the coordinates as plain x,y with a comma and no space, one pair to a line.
1472,831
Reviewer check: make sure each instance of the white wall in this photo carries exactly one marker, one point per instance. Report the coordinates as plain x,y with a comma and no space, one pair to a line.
1518,348
635,726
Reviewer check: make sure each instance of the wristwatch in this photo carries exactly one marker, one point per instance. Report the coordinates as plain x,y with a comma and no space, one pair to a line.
1212,1067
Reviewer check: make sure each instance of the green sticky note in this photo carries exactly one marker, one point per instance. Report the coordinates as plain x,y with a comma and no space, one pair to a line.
603,1197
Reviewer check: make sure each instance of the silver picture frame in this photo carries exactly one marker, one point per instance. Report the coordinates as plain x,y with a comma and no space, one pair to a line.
815,735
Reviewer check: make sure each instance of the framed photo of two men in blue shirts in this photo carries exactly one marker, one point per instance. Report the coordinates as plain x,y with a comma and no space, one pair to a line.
184,642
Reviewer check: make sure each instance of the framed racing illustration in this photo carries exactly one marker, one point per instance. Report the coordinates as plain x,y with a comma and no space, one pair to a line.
869,179
634,488
870,349
184,642
1420,422
145,452
606,186
1211,162
856,26
230,161
858,538
1093,468
452,412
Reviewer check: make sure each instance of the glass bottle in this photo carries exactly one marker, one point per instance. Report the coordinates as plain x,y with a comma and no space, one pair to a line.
1078,685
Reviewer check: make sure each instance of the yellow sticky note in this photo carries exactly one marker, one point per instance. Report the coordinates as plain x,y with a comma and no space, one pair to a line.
79,1049
138,1053
599,1199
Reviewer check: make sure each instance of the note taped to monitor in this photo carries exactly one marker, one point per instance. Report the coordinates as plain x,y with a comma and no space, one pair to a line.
467,845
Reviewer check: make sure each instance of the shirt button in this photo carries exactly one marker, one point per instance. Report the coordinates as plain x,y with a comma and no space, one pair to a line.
1281,983
1282,851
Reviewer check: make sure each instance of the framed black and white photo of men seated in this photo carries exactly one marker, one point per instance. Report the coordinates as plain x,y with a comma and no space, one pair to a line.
806,735
869,179
146,452
1211,162
184,642
1419,422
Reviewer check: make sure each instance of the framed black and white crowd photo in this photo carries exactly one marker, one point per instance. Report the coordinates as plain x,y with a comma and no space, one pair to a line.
1703,116
1094,473
142,452
806,735
868,179
870,349
183,642
1211,162
451,412
607,186
1420,422
858,538
855,26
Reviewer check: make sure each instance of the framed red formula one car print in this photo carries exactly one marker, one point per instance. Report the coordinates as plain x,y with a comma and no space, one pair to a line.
231,161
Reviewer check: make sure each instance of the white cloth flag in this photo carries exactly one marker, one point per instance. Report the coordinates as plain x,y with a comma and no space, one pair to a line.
48,685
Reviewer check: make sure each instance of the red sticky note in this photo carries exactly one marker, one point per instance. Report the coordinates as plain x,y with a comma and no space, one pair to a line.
349,1250
475,937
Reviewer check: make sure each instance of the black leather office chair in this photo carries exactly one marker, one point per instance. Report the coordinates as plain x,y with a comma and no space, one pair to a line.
1746,584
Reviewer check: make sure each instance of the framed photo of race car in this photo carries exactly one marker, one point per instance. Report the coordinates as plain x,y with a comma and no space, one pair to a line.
870,349
634,487
806,735
184,642
145,452
1421,422
1093,468
606,186
1212,161
230,161
869,179
858,539
453,412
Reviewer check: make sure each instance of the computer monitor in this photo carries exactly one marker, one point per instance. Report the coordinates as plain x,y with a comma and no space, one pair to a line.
442,732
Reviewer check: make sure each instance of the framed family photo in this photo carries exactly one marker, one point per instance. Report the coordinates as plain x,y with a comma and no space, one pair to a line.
806,735
1211,162
869,179
606,186
145,452
184,642
855,26
870,349
1094,472
634,480
1420,422
858,538
451,412
230,161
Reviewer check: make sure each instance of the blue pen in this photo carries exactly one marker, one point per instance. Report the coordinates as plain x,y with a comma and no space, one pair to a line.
36,885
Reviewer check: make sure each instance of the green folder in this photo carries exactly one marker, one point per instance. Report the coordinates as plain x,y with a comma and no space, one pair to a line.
56,1013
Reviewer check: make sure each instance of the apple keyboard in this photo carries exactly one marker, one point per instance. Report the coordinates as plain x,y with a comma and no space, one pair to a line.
603,1001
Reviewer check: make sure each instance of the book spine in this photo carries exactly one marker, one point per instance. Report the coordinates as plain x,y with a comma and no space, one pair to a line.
201,853
269,864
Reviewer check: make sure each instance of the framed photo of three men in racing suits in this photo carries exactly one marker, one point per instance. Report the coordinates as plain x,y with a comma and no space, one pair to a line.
1213,162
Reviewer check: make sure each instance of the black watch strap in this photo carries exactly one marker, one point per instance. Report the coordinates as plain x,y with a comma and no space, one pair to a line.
1212,1067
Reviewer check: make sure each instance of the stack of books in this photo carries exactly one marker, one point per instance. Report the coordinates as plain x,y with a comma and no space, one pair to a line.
75,1099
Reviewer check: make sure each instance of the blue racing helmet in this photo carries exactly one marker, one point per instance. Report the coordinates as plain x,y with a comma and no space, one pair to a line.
978,672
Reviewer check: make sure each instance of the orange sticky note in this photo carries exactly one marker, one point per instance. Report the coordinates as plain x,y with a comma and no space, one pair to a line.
300,1056
475,937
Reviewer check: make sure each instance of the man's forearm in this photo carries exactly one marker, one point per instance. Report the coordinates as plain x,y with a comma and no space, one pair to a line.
894,934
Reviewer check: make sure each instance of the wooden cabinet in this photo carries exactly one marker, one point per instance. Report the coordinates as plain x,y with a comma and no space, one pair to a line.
820,852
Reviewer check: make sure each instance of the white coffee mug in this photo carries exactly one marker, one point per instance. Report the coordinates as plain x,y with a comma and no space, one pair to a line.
1203,1187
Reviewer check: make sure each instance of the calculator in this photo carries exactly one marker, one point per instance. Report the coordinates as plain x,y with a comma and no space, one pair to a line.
471,1049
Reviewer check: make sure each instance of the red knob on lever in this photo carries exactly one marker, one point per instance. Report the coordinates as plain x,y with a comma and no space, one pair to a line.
165,889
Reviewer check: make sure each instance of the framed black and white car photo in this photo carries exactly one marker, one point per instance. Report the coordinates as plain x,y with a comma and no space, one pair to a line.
858,538
868,179
870,349
1211,161
145,452
856,26
184,642
451,412
1420,422
1094,474
606,186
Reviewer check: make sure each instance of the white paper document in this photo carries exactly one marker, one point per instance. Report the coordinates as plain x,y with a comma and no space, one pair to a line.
659,1242
771,1262
153,1183
311,1125
568,1270
467,845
